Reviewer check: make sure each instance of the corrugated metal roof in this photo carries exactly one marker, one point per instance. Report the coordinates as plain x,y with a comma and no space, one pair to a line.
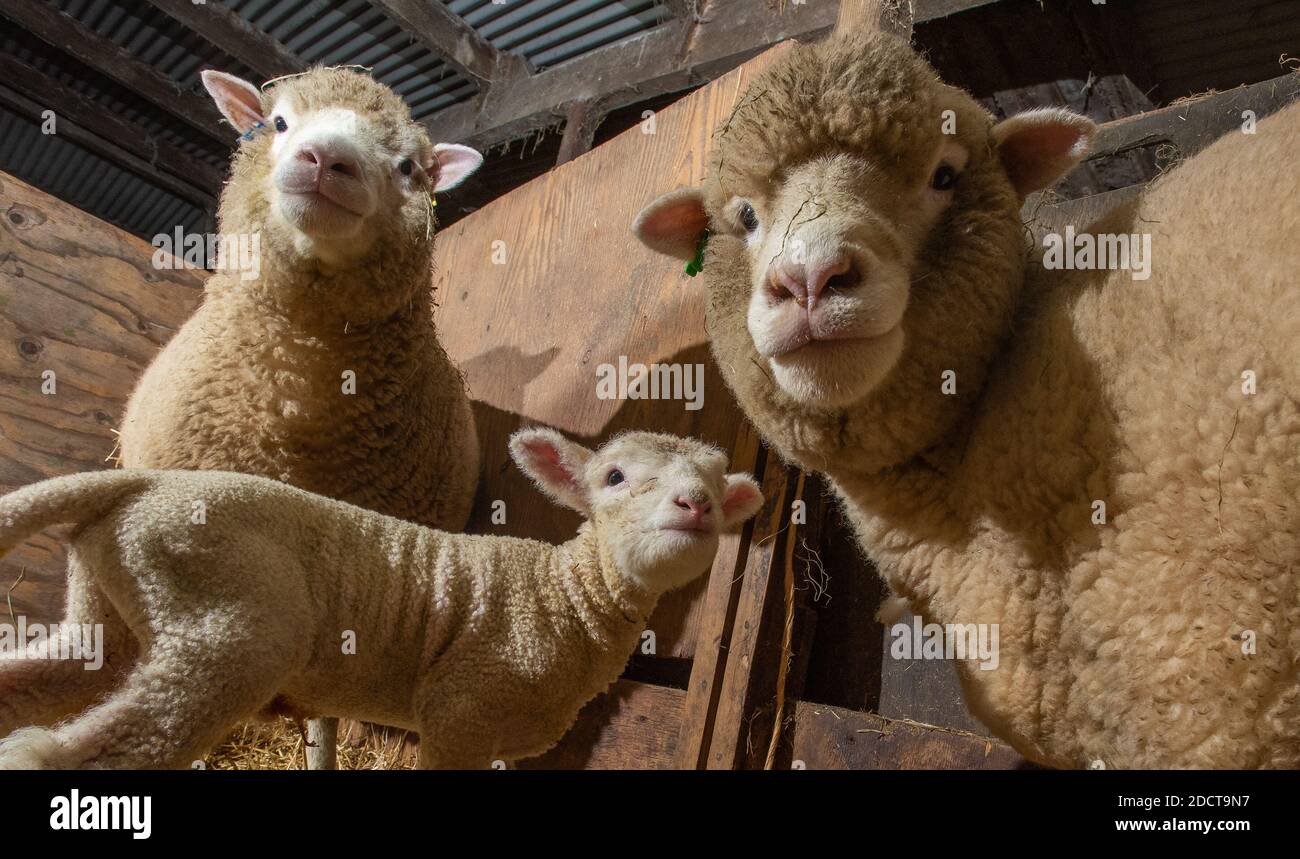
353,32
70,173
547,32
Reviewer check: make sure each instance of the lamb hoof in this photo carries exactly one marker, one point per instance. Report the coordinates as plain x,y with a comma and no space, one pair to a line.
32,749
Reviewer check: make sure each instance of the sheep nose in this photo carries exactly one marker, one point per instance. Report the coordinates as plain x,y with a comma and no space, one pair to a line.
325,157
806,282
698,509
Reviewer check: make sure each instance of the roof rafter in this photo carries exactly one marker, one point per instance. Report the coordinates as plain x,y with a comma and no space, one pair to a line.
66,33
232,34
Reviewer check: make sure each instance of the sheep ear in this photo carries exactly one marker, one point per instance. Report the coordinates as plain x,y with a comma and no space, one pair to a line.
453,164
672,224
554,463
741,500
1040,146
239,101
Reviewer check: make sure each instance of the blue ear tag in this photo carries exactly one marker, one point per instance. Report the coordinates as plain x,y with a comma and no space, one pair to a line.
697,262
248,135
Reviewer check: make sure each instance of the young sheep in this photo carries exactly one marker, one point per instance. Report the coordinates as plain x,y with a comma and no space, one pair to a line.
1105,466
488,646
323,370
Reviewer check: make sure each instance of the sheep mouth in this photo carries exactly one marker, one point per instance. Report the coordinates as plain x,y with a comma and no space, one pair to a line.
810,344
309,200
687,530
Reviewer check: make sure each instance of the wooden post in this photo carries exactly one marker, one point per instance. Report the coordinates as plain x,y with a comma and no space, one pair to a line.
581,119
892,16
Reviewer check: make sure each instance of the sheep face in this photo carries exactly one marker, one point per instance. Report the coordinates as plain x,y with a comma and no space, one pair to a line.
865,240
332,165
659,502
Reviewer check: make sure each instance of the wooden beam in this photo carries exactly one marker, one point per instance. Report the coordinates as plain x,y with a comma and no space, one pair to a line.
931,10
825,737
643,66
92,125
888,15
1192,125
675,56
68,34
581,120
448,36
232,34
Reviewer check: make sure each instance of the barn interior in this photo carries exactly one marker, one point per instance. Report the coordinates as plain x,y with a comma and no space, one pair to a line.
775,659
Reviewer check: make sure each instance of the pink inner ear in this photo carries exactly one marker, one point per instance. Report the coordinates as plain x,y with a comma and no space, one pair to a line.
741,495
545,459
453,165
677,223
238,100
1037,154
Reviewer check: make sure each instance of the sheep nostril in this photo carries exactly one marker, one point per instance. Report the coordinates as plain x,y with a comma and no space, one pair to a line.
845,280
683,503
342,167
838,273
786,282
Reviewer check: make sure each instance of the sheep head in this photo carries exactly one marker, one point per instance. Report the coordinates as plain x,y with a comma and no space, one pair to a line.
865,238
332,170
659,502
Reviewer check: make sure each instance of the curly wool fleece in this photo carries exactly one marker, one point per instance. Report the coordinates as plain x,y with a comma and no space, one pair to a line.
488,646
1168,635
255,380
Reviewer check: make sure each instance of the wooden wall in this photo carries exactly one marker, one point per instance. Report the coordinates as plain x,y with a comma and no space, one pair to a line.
80,299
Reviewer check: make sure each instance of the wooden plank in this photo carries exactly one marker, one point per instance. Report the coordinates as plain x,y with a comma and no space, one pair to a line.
66,33
448,36
932,10
1042,218
232,34
833,738
717,618
79,298
545,285
632,726
120,133
871,15
1196,123
744,716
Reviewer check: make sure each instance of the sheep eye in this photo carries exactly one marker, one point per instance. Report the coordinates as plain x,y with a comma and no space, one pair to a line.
944,178
280,124
615,478
406,166
748,218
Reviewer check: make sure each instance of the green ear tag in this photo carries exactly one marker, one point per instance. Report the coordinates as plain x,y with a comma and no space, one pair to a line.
697,262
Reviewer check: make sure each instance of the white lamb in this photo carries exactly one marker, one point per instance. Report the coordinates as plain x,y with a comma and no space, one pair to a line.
275,599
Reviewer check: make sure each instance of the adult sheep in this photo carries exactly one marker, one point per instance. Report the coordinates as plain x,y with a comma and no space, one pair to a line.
315,361
1105,466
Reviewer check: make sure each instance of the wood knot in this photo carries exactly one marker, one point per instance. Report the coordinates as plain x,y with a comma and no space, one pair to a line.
30,347
24,217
